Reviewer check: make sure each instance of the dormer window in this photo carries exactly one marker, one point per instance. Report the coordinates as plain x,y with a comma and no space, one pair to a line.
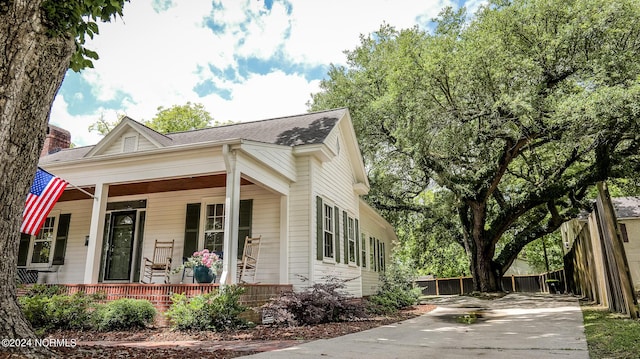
130,144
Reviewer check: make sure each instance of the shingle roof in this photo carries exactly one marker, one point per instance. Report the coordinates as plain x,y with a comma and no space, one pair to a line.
310,128
304,129
627,207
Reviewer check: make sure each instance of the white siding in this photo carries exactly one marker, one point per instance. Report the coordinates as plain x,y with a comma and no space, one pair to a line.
333,181
632,249
373,226
116,147
280,159
76,253
165,220
300,214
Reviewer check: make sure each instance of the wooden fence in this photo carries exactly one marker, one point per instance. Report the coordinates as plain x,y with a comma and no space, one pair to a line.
551,282
596,265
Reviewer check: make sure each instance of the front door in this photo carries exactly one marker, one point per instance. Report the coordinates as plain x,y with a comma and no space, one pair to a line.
120,249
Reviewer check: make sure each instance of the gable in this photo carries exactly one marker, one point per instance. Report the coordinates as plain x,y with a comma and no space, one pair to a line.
129,141
129,136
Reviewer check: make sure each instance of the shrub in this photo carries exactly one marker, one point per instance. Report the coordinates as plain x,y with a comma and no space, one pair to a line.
319,303
58,311
397,289
124,313
217,311
45,290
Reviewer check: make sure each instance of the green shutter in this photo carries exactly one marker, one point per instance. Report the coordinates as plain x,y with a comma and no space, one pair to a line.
319,233
23,251
345,221
356,238
384,257
336,212
244,224
61,239
191,226
374,250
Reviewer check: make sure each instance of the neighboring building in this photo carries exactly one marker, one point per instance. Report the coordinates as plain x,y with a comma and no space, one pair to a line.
628,216
296,181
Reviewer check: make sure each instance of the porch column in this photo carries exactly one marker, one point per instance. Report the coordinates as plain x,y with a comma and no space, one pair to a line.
284,239
231,217
96,230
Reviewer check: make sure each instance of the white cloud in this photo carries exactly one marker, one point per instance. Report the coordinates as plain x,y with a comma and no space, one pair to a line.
158,58
263,96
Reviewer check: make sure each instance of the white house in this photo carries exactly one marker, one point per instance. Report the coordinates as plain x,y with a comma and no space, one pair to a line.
296,181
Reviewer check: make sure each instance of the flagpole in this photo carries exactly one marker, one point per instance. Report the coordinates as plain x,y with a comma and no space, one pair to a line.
74,186
83,191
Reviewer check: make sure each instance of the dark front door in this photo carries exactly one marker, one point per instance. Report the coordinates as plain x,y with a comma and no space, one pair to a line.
120,249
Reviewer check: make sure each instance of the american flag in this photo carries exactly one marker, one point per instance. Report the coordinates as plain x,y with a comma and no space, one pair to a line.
44,193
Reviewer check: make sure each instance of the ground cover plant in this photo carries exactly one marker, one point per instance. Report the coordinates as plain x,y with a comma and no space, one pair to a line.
219,310
611,335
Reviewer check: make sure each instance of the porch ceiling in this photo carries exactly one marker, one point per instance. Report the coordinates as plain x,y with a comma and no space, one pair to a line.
176,184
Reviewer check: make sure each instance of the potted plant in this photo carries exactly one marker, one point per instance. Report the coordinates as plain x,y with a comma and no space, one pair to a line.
204,264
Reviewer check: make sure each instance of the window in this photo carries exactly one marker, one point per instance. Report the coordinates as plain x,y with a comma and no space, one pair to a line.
214,228
130,144
43,243
363,248
352,240
327,229
623,232
48,247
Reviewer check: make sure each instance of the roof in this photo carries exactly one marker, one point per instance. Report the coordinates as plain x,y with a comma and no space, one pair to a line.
627,207
304,129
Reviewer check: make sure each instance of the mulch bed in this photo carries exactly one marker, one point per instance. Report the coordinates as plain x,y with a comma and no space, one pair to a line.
156,342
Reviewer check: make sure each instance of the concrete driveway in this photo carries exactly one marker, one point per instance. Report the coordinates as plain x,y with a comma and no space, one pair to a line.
514,326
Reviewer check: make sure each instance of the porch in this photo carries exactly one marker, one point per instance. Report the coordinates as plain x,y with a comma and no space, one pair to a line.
105,239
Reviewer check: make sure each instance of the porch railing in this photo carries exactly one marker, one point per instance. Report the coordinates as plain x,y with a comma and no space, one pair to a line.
160,294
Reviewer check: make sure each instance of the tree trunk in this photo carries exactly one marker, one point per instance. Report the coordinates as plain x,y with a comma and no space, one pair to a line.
32,67
485,272
486,277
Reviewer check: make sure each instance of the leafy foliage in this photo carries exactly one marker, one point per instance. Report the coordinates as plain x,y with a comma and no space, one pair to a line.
320,303
534,253
123,313
177,118
511,116
180,118
78,19
57,311
397,290
217,311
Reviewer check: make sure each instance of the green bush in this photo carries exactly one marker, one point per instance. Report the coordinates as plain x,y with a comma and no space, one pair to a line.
59,311
397,290
124,313
217,311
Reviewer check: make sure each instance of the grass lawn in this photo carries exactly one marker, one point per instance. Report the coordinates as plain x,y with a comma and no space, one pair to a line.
610,335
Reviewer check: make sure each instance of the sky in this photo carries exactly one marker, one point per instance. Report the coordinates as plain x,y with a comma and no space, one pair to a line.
244,60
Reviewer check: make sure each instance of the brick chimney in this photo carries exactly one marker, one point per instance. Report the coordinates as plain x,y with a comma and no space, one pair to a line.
57,139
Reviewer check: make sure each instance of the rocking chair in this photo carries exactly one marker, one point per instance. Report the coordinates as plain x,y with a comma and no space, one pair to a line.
248,267
160,264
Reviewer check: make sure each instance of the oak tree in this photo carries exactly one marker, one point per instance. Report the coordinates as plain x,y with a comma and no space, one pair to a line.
40,40
512,114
